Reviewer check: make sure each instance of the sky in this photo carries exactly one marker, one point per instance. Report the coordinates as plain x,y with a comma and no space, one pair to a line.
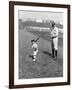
56,16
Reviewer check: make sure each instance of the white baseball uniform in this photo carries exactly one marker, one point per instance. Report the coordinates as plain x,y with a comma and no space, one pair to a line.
35,47
54,35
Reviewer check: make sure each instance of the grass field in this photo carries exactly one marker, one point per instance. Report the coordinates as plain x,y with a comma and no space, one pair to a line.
45,66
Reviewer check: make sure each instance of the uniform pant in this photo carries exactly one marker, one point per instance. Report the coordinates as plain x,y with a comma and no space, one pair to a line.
35,53
54,46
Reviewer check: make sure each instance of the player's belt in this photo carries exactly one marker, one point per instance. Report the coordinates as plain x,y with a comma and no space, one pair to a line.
54,37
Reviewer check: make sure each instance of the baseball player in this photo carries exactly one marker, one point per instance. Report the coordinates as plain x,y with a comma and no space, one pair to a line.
54,38
35,48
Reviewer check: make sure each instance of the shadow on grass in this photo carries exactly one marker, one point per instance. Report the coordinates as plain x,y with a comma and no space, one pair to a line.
47,53
31,56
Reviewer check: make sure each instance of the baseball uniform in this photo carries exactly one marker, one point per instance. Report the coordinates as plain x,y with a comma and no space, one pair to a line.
35,47
54,36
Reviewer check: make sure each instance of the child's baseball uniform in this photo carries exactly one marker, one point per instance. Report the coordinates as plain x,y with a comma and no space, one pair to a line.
35,47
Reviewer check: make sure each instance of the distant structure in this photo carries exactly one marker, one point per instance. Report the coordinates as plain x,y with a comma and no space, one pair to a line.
39,21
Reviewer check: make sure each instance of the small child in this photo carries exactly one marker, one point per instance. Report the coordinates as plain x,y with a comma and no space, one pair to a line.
35,48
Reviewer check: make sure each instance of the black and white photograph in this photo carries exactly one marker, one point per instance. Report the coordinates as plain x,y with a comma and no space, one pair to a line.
40,44
40,48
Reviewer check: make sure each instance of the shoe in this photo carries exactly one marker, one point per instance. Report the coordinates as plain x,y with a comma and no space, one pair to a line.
55,58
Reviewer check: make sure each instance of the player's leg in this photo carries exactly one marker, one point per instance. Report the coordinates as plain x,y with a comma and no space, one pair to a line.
52,48
56,46
56,51
34,55
34,58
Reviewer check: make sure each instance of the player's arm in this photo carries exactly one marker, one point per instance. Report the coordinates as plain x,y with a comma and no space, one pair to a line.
37,39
